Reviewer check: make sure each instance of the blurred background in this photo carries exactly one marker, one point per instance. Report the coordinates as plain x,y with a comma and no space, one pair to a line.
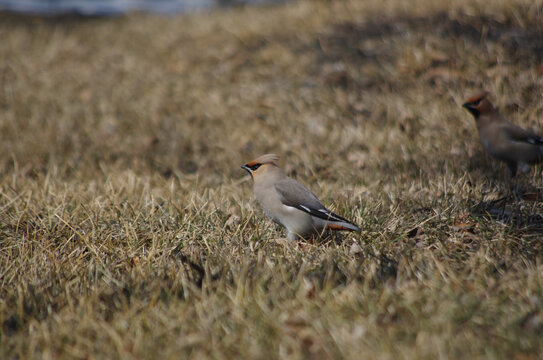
115,7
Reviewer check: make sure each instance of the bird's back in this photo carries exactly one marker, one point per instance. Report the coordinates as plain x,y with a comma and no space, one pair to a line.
507,141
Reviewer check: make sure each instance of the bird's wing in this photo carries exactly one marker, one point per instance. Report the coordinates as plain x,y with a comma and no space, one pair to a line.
516,133
295,195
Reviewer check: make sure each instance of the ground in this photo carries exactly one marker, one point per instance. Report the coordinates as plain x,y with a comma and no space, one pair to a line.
129,230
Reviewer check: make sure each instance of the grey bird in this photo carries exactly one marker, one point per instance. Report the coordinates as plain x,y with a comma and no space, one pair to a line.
291,204
505,141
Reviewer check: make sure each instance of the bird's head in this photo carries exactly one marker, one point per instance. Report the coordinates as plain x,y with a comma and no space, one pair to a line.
478,104
261,164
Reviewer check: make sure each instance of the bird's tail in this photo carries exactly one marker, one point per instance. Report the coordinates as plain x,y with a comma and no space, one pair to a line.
340,223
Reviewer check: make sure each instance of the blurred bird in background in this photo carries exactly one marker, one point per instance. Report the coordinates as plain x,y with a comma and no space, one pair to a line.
505,141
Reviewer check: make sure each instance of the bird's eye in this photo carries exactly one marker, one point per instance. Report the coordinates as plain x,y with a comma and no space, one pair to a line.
477,102
254,167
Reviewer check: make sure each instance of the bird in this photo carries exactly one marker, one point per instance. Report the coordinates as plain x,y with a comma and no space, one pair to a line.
516,147
291,204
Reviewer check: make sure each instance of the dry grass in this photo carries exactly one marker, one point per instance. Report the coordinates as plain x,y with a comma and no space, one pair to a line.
128,229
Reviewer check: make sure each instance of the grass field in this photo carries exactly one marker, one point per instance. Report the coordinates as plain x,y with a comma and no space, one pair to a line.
128,229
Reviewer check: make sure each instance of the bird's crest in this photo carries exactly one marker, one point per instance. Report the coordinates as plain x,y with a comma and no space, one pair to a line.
479,104
480,96
265,159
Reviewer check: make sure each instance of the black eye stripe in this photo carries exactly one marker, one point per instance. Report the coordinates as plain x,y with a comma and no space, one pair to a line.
254,167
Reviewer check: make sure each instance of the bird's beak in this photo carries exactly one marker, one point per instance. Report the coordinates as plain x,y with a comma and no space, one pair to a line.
473,110
246,168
